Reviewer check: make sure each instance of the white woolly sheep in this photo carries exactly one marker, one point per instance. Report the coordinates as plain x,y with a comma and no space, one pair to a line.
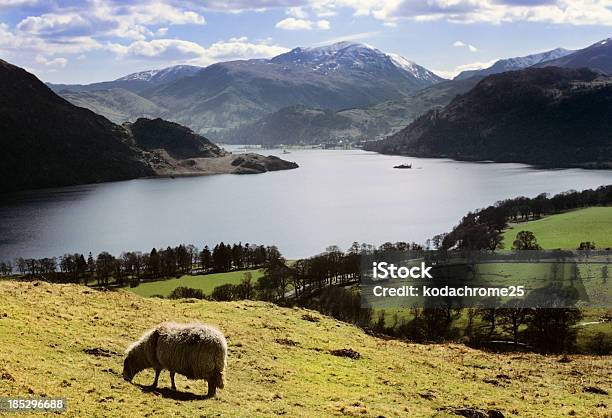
197,351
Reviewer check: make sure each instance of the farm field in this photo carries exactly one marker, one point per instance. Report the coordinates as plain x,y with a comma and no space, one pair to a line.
280,363
204,282
568,230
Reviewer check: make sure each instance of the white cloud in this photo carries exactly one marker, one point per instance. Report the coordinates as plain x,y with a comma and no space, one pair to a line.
105,19
297,12
160,49
571,12
161,31
52,24
240,48
292,23
461,44
352,37
450,73
479,65
323,24
16,3
21,43
54,62
180,51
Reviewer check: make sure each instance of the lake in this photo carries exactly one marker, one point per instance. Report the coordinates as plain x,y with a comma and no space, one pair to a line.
335,197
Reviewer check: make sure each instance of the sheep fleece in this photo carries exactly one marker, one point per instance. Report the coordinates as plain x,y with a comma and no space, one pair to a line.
197,351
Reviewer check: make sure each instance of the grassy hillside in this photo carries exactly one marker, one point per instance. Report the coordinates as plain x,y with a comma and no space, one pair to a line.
568,230
206,283
279,363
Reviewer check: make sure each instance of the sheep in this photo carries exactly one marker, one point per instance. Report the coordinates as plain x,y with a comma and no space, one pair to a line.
195,350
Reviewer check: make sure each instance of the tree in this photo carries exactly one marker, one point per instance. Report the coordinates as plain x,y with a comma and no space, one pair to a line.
6,268
206,261
91,264
525,240
512,316
245,289
224,292
552,330
154,266
105,267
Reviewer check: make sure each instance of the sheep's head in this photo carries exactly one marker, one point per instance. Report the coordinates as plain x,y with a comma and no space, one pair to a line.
129,369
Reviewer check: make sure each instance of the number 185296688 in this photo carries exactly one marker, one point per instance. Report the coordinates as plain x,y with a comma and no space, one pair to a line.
15,404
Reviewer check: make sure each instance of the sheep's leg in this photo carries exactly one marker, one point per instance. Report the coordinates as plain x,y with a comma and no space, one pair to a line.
212,389
172,380
157,372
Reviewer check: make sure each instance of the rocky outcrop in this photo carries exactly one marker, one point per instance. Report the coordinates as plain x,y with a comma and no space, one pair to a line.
255,163
179,141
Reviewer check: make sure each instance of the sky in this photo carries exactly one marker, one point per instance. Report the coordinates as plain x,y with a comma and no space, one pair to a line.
96,40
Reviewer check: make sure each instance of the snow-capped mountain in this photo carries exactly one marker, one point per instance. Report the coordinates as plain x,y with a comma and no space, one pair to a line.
163,75
416,70
516,63
343,75
135,82
597,57
349,56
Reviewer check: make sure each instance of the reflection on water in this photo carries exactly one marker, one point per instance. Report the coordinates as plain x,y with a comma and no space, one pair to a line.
335,197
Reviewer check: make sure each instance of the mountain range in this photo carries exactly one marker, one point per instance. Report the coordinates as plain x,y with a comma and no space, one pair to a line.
343,91
516,63
47,142
386,118
544,116
135,82
228,94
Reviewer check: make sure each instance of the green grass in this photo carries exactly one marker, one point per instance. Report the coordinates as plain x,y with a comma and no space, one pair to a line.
568,230
278,363
205,282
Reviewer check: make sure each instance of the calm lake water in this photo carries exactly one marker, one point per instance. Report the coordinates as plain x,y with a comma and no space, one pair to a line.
335,197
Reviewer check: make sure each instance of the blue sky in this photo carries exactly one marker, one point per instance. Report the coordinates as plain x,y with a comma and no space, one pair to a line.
95,40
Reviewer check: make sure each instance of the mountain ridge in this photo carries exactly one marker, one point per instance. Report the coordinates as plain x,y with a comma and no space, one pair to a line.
515,63
535,116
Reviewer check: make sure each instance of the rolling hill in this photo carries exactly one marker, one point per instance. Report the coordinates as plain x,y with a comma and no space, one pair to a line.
544,116
46,141
71,339
300,124
117,105
569,229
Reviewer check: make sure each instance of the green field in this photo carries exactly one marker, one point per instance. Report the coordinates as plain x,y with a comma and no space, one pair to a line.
204,282
280,362
568,230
